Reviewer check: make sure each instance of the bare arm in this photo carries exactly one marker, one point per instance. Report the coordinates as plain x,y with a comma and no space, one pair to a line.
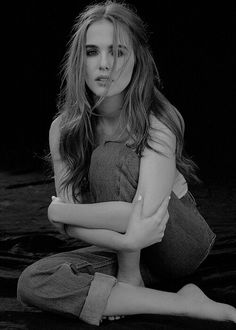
100,237
141,231
157,170
108,215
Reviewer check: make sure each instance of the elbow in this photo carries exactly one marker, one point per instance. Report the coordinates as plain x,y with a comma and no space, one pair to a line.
51,213
150,207
152,202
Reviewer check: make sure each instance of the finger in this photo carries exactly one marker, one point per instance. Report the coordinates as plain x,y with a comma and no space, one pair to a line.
53,197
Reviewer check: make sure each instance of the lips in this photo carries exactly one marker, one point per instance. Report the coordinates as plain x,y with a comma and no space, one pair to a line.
102,78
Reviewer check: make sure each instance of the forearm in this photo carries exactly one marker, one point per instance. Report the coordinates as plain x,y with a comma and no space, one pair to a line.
108,215
100,237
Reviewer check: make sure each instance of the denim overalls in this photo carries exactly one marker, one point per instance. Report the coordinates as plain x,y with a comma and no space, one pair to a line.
78,283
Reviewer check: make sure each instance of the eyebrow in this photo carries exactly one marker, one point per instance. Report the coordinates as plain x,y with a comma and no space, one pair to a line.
110,47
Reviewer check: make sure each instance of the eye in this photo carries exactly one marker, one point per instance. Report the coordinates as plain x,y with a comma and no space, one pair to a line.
91,52
120,53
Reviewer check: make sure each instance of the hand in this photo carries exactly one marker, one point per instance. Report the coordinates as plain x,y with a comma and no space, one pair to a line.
59,226
143,232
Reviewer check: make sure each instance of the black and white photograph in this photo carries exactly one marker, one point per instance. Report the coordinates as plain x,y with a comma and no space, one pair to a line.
118,166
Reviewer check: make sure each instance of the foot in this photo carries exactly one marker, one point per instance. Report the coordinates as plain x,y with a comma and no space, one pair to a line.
193,291
208,308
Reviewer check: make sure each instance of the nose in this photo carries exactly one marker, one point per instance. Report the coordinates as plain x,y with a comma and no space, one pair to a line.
105,62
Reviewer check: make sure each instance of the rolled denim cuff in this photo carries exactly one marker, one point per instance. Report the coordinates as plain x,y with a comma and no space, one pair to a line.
96,300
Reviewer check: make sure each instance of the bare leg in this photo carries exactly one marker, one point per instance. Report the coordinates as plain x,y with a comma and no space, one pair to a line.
128,272
126,299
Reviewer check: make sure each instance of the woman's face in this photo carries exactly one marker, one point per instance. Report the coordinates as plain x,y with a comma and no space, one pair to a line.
99,59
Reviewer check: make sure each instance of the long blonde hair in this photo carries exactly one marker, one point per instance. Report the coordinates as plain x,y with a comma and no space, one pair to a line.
142,96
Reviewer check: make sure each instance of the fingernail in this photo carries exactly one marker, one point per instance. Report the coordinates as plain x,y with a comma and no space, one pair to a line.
139,198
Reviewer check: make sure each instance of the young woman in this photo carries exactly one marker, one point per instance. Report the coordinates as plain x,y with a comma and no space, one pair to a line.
117,152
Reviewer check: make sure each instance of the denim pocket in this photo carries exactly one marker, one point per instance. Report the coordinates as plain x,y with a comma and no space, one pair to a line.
106,264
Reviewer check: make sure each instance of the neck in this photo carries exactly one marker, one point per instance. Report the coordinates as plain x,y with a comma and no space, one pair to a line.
110,109
108,123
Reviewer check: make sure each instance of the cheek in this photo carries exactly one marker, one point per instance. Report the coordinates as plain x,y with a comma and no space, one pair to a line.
90,67
127,73
130,69
88,71
123,80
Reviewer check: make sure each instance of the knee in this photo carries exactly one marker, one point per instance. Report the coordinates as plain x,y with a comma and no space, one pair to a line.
25,285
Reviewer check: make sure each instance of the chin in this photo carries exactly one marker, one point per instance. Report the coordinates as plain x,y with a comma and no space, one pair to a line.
111,92
103,93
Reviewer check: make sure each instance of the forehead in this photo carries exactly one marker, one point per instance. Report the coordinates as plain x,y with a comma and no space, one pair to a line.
101,33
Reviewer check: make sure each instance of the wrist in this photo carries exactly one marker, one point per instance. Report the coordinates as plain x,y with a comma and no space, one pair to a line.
129,245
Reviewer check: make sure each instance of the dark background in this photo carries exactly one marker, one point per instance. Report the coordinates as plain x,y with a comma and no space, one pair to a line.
193,48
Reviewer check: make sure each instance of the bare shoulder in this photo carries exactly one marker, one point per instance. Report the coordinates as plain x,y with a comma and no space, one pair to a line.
161,136
55,125
54,138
